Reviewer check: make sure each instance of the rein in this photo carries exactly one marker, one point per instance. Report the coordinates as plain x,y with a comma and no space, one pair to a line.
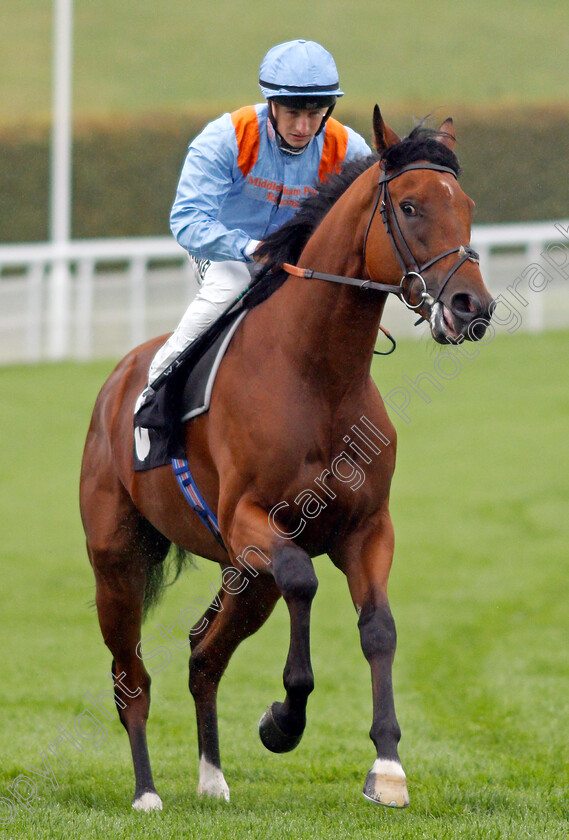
308,274
411,269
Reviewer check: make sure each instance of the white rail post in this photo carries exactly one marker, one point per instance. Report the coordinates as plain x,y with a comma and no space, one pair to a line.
60,183
84,312
535,311
34,297
137,292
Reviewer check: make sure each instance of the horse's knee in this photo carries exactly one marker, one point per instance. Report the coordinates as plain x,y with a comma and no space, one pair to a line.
377,631
294,574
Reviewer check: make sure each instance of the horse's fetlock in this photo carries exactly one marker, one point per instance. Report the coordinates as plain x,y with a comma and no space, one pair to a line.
386,735
299,685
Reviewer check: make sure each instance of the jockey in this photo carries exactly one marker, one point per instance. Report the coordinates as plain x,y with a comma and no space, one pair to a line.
245,175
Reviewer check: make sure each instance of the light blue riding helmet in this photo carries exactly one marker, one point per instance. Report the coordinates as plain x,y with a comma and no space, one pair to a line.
300,70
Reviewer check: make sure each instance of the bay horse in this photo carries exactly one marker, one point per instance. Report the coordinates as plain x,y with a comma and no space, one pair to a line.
281,453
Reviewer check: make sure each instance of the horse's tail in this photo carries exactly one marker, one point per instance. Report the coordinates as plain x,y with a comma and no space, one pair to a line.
161,575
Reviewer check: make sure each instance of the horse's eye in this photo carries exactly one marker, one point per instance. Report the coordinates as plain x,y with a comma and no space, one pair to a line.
408,209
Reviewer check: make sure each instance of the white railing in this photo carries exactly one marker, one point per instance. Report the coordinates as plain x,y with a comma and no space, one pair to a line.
88,298
94,298
528,264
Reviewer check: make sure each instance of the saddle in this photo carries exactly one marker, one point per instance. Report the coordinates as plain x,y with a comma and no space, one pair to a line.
186,393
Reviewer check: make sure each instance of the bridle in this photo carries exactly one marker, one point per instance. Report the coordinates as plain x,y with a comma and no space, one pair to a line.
411,269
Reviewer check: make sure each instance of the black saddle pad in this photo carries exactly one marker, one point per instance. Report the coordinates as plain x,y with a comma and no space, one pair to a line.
196,395
157,427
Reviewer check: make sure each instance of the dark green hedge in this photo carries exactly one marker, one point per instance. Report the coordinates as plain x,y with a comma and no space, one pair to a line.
125,173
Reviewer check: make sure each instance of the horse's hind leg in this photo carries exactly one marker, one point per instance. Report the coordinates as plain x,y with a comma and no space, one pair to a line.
239,610
122,545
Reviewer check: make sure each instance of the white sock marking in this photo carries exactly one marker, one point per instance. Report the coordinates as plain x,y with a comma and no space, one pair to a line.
385,767
148,802
212,781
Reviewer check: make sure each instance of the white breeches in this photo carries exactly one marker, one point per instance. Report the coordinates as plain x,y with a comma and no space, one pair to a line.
220,283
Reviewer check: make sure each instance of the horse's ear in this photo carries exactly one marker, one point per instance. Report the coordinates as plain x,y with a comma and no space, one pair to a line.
446,133
383,135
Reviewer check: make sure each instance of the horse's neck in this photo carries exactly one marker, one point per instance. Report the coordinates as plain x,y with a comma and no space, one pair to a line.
329,328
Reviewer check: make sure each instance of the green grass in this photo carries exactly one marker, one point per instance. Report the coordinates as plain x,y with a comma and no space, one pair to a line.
478,590
133,57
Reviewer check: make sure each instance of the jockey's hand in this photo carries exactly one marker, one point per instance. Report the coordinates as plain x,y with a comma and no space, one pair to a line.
257,257
251,248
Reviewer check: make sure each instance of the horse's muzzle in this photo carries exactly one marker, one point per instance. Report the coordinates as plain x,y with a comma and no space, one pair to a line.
465,317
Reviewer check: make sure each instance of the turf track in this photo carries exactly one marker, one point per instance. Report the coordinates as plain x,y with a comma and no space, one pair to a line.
478,590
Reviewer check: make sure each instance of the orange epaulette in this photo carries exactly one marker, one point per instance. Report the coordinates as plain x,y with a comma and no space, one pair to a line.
246,127
335,148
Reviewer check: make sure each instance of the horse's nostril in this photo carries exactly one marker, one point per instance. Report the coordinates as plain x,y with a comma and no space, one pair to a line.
463,305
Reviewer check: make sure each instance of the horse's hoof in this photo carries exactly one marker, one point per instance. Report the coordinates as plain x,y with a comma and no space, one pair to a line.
147,802
386,784
273,738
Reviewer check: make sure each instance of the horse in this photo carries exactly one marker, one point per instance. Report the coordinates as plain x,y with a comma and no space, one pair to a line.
294,423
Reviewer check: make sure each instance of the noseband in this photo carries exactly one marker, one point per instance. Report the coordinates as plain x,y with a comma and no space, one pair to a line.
411,269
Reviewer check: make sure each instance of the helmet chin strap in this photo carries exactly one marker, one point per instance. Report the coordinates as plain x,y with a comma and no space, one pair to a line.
287,148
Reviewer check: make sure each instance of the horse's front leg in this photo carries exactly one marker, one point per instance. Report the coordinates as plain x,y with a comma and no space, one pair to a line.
282,725
255,546
366,561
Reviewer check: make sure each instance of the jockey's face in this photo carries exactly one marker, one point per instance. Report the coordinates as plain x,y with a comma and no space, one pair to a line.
295,125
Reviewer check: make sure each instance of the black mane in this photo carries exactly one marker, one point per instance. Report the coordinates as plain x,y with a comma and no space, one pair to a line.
287,243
